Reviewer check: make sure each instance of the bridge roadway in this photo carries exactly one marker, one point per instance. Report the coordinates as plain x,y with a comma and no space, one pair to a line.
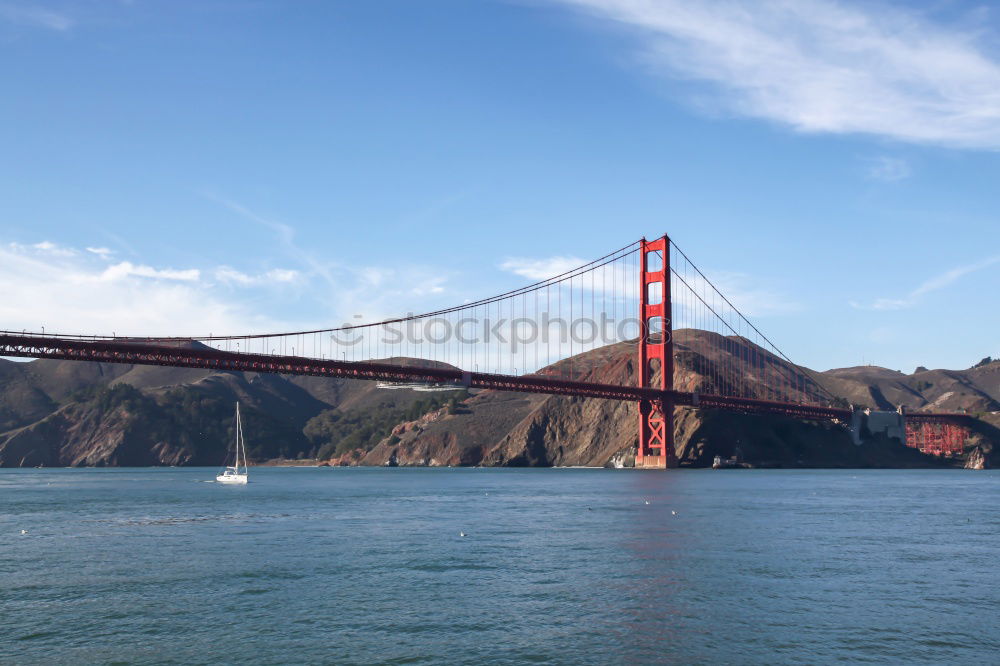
147,352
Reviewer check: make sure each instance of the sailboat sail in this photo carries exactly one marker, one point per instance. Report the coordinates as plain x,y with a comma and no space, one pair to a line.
233,474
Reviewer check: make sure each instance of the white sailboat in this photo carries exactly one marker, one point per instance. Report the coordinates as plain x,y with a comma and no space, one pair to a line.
232,474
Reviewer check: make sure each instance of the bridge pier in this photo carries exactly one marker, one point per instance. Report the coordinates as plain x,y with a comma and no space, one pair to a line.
656,435
656,356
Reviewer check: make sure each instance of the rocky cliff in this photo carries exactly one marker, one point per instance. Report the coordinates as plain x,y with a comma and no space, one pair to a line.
74,413
493,428
66,413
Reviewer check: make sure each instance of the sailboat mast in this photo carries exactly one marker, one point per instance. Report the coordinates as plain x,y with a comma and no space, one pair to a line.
243,447
239,438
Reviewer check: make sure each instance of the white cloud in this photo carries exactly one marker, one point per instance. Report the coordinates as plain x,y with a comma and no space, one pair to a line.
80,293
933,284
38,17
101,252
948,277
228,275
75,293
824,66
281,275
541,269
431,285
381,293
44,247
888,169
127,269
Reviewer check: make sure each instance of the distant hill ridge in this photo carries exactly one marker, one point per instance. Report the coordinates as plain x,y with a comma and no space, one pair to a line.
71,413
975,390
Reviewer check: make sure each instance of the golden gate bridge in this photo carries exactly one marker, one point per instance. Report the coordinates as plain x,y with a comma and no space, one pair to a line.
693,349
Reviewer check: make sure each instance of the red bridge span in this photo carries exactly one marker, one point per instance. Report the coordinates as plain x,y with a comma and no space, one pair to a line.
693,349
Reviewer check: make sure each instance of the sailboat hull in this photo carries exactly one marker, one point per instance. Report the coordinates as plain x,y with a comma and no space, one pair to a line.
232,479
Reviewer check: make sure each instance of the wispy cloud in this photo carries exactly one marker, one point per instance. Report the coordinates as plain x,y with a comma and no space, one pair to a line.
824,66
81,291
231,276
433,284
540,269
76,292
753,296
369,292
285,234
385,289
30,14
888,169
44,247
101,252
124,269
933,284
127,269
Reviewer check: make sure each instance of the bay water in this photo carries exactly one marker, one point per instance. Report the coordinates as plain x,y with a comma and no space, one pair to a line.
556,566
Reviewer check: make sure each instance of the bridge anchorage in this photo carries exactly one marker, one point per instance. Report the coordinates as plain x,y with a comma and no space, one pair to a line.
641,324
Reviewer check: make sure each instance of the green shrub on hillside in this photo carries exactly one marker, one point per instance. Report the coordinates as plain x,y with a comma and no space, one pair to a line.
334,432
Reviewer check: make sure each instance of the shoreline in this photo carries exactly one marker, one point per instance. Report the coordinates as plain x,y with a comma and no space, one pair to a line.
311,464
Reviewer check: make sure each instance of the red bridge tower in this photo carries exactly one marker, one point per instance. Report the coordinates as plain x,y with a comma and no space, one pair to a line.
656,356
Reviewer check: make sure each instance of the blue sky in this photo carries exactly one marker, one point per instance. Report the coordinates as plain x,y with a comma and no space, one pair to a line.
247,166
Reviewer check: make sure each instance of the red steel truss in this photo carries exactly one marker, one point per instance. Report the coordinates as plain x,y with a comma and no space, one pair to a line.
656,356
940,436
142,352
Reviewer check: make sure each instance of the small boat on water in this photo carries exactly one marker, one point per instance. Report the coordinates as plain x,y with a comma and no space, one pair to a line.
233,475
727,463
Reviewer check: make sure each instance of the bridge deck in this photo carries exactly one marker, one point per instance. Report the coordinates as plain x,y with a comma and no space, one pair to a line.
146,352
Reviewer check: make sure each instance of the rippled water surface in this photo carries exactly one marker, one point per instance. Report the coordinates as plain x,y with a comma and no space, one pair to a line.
560,566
